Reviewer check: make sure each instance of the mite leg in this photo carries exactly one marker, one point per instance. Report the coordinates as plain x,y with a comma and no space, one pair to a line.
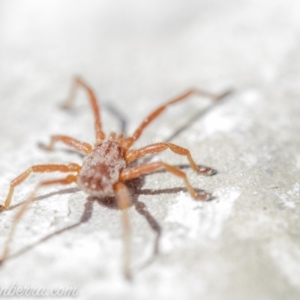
77,145
158,147
78,82
123,203
37,169
130,140
152,167
68,180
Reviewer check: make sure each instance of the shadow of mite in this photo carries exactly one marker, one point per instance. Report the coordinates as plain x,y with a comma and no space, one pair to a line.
135,188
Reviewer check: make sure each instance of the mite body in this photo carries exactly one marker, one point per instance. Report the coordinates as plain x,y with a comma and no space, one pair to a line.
101,169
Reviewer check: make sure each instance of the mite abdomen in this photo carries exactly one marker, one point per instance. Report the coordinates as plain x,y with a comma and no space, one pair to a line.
101,169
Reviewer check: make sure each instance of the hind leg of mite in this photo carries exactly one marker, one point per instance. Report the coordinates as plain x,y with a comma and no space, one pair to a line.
37,169
65,181
135,172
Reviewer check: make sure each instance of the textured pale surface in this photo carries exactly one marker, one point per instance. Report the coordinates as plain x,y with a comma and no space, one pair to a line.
243,245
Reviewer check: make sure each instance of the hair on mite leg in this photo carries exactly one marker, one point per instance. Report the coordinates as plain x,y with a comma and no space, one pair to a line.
110,164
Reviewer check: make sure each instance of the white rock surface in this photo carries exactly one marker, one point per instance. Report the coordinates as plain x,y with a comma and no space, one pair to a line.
243,245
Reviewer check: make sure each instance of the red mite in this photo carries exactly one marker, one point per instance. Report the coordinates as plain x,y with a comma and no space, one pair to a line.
106,166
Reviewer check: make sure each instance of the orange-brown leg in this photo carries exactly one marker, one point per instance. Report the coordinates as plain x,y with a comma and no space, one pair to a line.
77,145
158,147
39,169
123,203
68,180
78,82
128,174
130,140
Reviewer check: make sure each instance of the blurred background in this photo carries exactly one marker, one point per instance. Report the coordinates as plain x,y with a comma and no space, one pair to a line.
135,52
136,55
